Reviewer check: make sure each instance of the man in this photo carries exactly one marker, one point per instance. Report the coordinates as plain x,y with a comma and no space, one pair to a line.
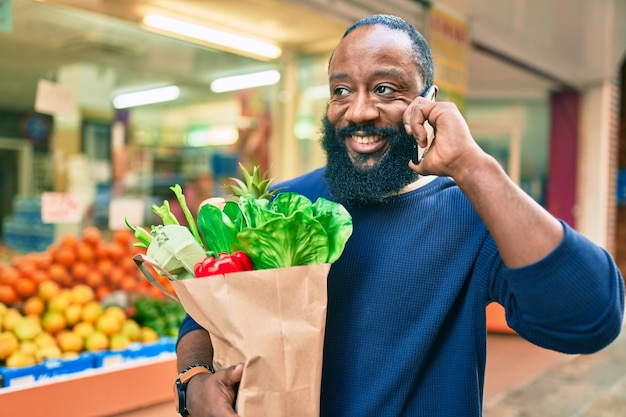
433,244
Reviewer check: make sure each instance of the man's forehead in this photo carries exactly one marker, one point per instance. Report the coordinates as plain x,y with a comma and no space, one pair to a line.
374,38
366,42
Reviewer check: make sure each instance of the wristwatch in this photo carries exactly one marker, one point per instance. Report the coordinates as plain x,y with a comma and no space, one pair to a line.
180,386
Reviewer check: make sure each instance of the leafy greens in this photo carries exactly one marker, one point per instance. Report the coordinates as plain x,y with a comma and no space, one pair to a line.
287,231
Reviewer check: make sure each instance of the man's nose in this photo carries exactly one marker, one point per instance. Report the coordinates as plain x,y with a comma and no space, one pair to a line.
362,109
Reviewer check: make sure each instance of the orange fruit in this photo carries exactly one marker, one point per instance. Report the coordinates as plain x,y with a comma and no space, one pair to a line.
128,283
59,274
96,341
60,301
82,294
40,276
7,294
108,324
8,344
70,341
105,266
27,327
148,335
116,276
127,264
132,329
26,268
9,275
48,289
34,305
65,256
85,253
83,328
79,271
115,311
119,341
91,235
94,278
10,317
44,339
102,291
42,259
116,251
19,359
54,321
68,240
102,251
25,287
73,314
123,237
92,311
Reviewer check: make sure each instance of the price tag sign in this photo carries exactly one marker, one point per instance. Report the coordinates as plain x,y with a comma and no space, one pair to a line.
60,208
54,99
122,209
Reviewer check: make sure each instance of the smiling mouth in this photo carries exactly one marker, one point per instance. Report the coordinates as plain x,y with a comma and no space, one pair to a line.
366,140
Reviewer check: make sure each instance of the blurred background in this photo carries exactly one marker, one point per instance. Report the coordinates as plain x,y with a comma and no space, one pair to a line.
105,104
540,82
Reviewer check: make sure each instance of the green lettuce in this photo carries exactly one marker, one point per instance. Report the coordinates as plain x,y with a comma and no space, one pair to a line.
287,231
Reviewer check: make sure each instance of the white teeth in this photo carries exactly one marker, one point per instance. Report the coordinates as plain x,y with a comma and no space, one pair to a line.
365,140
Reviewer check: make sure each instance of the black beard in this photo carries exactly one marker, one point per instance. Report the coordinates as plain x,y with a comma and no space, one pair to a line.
369,184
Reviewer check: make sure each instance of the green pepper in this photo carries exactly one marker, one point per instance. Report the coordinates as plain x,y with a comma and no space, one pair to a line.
143,236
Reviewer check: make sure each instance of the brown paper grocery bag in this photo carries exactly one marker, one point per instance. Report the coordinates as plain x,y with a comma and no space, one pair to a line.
271,320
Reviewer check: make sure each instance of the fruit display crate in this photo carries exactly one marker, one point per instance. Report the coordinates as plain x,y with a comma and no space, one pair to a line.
122,383
59,368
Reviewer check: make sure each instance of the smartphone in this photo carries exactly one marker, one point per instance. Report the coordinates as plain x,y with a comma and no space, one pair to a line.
429,94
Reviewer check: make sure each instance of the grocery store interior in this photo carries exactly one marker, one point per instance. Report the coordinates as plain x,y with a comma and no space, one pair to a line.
541,84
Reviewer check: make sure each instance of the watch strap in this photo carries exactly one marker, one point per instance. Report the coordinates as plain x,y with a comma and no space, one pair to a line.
194,370
180,386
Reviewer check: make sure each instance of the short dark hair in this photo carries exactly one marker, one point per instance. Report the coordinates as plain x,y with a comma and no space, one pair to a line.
422,55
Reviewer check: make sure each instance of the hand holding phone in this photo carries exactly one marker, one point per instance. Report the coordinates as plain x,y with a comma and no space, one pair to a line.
429,94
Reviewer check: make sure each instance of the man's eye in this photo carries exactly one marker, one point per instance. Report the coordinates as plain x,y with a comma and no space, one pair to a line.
384,89
340,91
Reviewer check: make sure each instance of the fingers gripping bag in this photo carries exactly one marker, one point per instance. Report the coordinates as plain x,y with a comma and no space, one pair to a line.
253,272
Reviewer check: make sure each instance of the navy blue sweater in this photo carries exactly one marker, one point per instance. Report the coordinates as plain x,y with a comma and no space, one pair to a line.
406,326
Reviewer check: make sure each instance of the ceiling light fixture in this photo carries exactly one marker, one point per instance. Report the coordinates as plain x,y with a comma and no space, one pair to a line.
240,43
140,98
241,82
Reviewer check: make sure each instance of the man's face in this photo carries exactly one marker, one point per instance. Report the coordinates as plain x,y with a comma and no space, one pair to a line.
372,80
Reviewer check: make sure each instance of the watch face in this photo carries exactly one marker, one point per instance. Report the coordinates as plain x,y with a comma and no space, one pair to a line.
180,403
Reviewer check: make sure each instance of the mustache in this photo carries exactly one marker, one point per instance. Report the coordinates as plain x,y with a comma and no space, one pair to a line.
369,130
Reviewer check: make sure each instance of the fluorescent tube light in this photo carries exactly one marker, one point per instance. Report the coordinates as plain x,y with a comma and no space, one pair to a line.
140,98
217,37
241,82
201,136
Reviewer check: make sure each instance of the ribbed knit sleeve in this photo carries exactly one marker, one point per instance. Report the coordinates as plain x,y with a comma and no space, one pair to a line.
572,301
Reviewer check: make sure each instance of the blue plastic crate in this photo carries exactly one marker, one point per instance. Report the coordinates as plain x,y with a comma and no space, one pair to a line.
27,375
52,368
135,351
108,358
151,350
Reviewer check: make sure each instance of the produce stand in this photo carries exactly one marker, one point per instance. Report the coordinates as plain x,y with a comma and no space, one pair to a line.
105,391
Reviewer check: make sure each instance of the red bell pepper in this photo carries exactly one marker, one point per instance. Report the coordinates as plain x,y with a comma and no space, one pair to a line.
223,264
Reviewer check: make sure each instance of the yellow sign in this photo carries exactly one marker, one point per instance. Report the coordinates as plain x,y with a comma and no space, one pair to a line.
449,40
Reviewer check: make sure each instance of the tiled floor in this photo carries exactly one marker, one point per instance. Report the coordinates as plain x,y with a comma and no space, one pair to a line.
511,362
